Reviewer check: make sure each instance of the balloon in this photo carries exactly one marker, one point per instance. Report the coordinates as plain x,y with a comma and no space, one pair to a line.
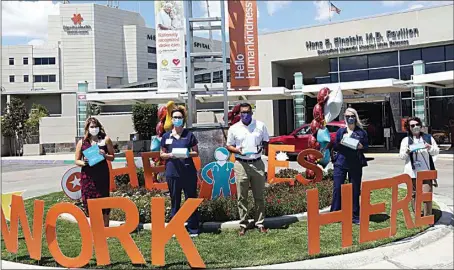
310,174
159,129
323,136
162,111
318,112
333,106
322,95
312,142
314,126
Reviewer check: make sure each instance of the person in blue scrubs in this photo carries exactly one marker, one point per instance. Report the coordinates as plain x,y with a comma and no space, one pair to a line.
221,170
349,161
181,174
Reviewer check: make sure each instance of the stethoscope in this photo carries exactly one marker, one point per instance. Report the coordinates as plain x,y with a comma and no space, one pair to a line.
216,166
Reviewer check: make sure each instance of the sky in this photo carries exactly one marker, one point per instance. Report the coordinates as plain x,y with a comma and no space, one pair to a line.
25,22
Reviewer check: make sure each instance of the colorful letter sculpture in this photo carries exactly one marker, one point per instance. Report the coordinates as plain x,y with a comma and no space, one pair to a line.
70,183
326,110
6,202
219,175
234,115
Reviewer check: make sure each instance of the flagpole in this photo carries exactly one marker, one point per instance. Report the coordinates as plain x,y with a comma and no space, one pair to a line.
329,10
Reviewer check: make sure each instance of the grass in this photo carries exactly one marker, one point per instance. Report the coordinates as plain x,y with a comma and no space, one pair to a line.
225,249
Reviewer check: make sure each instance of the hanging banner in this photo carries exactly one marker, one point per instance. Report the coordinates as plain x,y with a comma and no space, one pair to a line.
244,58
170,46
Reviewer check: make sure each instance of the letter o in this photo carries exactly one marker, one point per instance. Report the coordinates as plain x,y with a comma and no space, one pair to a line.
240,57
85,232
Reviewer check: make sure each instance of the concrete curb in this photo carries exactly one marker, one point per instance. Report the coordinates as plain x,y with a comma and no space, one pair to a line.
273,222
384,253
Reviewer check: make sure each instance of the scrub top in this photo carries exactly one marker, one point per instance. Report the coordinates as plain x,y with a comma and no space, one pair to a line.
179,167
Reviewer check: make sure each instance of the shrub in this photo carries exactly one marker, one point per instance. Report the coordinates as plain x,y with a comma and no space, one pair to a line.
145,118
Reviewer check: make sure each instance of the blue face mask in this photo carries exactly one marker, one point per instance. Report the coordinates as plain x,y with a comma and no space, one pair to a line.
177,122
351,120
246,118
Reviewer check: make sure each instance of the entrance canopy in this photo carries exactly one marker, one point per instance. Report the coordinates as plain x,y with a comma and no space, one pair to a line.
438,80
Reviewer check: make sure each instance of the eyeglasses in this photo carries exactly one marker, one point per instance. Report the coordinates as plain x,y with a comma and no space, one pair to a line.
246,112
177,117
350,116
414,125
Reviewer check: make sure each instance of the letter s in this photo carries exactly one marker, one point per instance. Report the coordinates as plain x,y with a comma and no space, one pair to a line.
317,170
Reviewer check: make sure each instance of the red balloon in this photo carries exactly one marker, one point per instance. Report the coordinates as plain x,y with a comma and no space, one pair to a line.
159,129
312,142
162,112
310,174
315,125
318,112
322,95
236,119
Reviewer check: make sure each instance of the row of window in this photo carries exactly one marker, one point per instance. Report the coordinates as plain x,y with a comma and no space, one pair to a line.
217,77
151,49
36,78
389,59
36,61
152,65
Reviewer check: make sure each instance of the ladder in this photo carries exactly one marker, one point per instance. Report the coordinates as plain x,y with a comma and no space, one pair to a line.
195,57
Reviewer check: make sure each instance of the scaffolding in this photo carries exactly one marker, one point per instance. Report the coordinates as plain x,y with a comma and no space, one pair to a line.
194,57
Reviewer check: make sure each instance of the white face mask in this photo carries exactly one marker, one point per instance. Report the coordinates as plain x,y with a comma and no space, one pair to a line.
93,131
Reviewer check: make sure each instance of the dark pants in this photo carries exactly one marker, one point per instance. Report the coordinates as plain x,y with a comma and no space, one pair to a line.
354,176
189,187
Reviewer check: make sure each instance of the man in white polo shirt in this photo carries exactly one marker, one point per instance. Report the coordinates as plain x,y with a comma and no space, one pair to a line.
246,139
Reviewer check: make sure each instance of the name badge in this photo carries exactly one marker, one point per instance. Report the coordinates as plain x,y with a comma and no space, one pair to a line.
169,141
417,164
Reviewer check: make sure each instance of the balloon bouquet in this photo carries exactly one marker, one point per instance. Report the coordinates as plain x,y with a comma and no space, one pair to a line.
326,110
234,115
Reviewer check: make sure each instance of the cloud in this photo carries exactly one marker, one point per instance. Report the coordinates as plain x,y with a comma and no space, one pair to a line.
421,4
323,10
275,6
36,42
392,3
415,6
26,18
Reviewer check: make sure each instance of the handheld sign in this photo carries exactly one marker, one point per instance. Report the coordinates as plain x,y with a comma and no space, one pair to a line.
93,155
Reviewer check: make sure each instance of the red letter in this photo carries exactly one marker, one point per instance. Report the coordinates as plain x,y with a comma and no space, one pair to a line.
122,233
402,204
423,197
273,163
85,234
301,161
315,219
130,169
33,240
162,234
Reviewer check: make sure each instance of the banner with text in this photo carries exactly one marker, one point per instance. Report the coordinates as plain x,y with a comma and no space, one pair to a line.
244,58
170,46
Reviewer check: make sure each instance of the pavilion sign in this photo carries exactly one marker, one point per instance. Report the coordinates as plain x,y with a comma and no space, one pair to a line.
358,43
94,234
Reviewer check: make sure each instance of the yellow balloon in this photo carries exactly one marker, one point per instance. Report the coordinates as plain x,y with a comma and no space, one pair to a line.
6,202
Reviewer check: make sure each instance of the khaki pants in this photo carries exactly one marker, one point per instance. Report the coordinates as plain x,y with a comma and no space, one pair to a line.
426,187
252,174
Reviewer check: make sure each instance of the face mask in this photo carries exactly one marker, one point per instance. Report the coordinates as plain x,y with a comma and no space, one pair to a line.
350,120
246,118
416,129
93,131
177,122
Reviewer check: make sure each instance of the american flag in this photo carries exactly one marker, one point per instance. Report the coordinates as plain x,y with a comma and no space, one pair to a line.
334,8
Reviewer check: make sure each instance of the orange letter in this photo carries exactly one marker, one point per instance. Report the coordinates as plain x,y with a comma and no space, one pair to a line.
33,240
402,204
85,233
301,161
122,233
162,234
368,209
273,163
423,197
130,169
150,172
313,224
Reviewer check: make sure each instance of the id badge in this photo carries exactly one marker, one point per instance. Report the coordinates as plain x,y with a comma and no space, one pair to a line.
169,141
417,165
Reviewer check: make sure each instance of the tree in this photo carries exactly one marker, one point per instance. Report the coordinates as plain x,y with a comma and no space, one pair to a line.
13,124
145,118
32,123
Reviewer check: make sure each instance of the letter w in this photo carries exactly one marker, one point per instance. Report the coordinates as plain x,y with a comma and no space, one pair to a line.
33,240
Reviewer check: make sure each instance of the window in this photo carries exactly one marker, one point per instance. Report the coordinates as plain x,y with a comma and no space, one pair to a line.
332,129
449,66
11,78
449,52
25,78
304,130
25,61
322,80
434,68
11,61
334,77
406,108
44,78
333,64
407,57
352,76
152,65
387,59
406,72
151,49
383,73
353,62
44,61
433,54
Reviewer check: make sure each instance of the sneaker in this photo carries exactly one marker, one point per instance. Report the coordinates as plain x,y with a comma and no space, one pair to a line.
262,229
355,221
242,231
192,235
